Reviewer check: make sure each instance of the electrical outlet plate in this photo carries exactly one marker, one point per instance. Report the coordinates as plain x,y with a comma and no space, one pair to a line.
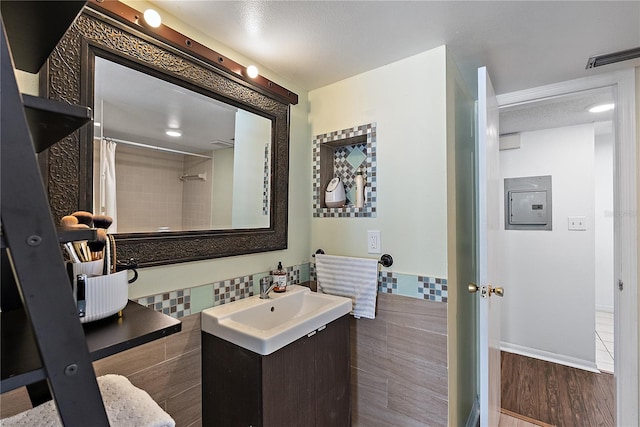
577,223
374,245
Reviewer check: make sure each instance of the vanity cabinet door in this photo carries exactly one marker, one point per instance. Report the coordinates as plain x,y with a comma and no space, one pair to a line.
305,383
288,385
332,375
231,384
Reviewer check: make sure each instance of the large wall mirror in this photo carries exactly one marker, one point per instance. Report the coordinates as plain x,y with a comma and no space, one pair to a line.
191,162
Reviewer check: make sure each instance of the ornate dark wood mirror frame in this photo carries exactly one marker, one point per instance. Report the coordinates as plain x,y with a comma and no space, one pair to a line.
67,165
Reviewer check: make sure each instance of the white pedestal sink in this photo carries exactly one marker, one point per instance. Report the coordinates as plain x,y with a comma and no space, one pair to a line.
266,325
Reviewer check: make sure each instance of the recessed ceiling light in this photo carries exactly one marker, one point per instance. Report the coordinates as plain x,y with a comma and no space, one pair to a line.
600,108
252,71
152,18
174,132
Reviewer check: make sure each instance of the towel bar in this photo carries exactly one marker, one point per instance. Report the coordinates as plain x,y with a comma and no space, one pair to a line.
386,260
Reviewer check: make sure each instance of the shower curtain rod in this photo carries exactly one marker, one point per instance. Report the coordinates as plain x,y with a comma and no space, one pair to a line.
155,147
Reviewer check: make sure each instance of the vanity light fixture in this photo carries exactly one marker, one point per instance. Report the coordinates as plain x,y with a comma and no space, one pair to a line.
130,16
174,132
152,18
601,108
252,71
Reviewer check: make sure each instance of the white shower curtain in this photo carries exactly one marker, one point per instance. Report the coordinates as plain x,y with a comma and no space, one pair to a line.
108,182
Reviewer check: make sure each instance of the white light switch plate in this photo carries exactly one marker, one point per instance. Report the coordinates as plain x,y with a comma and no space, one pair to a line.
577,223
373,242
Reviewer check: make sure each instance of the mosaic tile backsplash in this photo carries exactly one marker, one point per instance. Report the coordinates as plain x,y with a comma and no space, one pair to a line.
347,160
174,303
180,303
267,179
409,285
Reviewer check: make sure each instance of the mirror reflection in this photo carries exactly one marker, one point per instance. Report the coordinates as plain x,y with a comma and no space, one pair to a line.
170,159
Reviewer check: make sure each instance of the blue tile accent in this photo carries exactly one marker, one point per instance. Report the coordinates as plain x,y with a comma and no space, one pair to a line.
408,285
178,303
433,289
387,282
175,303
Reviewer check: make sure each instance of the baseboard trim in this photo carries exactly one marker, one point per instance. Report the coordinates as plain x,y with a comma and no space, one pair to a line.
605,308
525,418
473,420
549,357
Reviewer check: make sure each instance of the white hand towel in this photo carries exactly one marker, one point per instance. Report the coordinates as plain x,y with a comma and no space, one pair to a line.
126,406
355,278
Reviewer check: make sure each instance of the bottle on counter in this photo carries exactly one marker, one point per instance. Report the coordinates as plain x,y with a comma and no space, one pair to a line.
359,189
280,279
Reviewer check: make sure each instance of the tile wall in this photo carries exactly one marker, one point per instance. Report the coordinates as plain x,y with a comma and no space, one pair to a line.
408,285
196,201
398,359
346,162
399,364
266,182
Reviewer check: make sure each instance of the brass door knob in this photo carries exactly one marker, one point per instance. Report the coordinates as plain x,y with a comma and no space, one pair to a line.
497,291
486,291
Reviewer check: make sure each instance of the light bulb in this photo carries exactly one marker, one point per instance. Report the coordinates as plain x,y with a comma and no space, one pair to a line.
152,18
252,71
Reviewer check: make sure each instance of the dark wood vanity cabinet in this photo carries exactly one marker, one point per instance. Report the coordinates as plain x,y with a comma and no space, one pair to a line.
306,383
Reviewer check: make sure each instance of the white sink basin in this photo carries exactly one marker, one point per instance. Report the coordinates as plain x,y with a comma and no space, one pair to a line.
266,325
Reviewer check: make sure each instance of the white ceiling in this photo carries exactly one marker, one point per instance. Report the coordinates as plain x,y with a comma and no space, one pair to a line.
566,110
524,44
141,108
314,43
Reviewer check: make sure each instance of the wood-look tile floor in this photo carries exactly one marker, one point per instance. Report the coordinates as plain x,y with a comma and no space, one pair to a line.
555,394
509,419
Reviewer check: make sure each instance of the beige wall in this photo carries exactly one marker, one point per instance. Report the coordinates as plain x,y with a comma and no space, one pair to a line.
252,133
399,365
407,101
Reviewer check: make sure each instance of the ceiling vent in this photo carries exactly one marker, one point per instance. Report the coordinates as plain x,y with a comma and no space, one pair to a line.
219,144
611,58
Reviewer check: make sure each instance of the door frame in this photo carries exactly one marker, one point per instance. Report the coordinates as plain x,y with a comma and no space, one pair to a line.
625,225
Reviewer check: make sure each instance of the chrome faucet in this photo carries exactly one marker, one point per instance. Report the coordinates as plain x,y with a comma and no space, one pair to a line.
265,288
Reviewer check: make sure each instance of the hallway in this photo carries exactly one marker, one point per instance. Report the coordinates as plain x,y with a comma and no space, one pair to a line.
555,394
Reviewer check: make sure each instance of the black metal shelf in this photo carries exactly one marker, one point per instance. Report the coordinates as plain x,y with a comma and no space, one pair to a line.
36,278
35,27
64,236
50,121
20,361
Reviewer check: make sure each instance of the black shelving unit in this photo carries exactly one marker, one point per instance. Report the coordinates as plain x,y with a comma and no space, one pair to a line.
30,242
44,346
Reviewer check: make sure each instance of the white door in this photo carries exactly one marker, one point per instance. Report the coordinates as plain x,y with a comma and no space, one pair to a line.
488,224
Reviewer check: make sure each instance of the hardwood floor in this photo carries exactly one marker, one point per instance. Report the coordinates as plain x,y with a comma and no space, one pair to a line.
557,394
